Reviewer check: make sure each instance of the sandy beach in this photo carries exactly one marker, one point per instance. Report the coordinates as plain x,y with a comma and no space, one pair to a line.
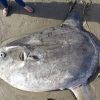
48,13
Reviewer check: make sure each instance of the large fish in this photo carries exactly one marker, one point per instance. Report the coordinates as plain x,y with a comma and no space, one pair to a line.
61,57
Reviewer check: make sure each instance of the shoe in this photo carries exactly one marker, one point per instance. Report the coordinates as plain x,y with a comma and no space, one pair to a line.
5,12
28,9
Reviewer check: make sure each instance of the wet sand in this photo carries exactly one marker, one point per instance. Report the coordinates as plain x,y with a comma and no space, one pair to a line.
48,13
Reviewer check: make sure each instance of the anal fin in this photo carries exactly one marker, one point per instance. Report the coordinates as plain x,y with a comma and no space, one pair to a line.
83,92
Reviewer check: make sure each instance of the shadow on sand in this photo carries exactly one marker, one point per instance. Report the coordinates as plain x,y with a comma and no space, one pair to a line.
52,10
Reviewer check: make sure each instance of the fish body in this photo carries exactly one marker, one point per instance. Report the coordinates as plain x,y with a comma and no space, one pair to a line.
58,57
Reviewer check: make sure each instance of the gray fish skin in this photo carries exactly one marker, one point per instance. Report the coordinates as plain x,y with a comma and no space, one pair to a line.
61,57
57,58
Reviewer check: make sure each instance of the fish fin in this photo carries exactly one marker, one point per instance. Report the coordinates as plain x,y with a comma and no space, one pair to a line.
76,15
83,92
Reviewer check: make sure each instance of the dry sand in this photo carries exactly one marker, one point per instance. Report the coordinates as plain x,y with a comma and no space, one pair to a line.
48,13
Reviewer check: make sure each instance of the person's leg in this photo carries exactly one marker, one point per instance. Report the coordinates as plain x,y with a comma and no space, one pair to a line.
22,3
5,4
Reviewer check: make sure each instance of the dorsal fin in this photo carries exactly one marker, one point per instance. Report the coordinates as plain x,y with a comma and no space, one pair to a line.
76,15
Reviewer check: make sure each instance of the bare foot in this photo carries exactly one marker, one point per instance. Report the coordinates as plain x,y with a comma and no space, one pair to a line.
28,9
5,12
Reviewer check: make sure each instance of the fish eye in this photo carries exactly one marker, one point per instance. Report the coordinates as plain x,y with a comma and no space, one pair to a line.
2,54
